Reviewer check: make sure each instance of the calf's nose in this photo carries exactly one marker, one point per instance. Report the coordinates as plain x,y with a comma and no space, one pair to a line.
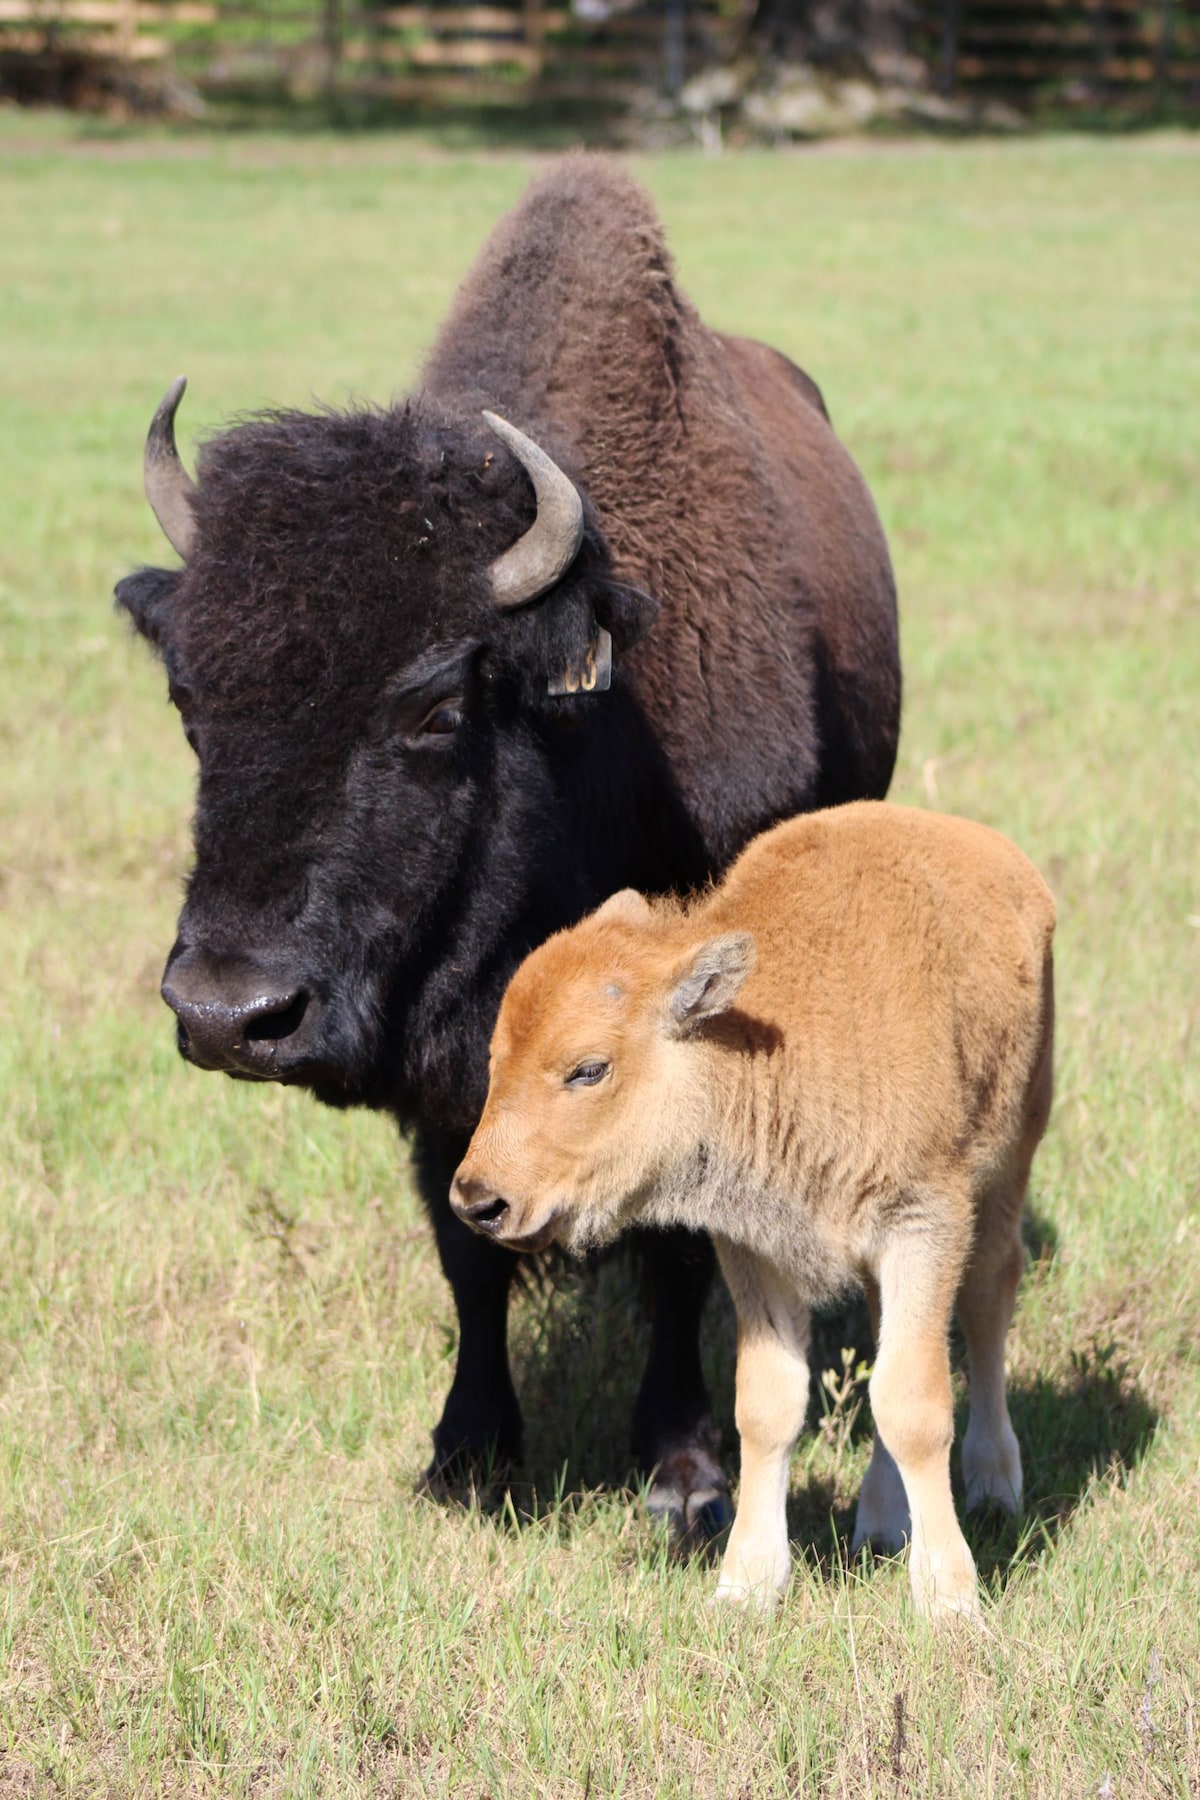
478,1204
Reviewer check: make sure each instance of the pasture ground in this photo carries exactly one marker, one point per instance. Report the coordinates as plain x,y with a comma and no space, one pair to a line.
223,1334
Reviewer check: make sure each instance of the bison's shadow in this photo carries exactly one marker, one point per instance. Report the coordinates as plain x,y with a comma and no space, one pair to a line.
580,1343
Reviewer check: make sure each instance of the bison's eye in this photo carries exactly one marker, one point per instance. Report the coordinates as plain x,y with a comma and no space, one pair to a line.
589,1073
181,700
443,721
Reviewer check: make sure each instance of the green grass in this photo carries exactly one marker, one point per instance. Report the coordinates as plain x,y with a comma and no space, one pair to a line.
223,1335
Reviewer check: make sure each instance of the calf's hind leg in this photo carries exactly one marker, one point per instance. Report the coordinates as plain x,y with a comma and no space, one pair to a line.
991,1456
914,1414
882,1517
772,1397
988,1292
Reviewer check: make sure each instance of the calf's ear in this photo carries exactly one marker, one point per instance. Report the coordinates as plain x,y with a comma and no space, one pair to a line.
709,980
147,596
625,908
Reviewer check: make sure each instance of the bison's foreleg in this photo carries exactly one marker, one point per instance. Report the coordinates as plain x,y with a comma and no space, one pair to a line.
673,1432
479,1434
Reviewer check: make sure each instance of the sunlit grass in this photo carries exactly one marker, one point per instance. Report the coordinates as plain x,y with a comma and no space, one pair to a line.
224,1335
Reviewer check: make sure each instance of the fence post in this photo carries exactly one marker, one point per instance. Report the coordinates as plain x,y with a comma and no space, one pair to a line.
332,33
675,47
127,24
949,56
1162,53
534,22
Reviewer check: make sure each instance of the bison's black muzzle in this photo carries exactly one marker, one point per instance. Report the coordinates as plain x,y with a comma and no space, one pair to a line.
238,1016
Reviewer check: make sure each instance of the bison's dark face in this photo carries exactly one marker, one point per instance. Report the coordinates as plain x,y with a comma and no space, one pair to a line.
380,758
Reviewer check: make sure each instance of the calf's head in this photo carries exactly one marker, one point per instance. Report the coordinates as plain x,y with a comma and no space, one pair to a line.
383,623
596,1098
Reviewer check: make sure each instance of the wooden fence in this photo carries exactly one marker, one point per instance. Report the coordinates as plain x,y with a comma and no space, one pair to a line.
1084,50
1074,50
507,49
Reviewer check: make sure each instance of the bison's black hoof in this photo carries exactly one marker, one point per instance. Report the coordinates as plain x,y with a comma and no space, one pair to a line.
472,1465
467,1478
690,1494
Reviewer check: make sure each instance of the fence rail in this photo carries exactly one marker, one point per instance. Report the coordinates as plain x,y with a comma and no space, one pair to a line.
503,50
516,49
1087,50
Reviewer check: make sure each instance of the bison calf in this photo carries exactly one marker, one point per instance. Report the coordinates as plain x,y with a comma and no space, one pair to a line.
838,1062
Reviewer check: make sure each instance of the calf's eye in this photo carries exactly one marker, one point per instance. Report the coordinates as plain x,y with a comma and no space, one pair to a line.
588,1073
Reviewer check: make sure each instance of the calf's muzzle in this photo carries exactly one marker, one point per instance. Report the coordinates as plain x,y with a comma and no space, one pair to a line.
478,1205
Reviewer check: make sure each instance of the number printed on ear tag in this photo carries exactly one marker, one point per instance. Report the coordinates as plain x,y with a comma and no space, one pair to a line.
591,676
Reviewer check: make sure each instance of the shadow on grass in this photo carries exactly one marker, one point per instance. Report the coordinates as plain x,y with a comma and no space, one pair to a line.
580,1343
1090,1423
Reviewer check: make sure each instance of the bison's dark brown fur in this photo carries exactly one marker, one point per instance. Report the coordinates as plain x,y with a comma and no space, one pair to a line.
393,808
721,489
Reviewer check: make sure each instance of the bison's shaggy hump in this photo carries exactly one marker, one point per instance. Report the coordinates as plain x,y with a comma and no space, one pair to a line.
572,313
573,301
719,485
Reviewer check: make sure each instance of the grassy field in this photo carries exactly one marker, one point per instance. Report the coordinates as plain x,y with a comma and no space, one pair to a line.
223,1334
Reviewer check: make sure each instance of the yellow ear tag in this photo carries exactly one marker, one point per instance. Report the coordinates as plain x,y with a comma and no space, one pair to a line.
591,676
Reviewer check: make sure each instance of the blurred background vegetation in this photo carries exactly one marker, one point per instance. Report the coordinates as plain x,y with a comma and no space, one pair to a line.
651,73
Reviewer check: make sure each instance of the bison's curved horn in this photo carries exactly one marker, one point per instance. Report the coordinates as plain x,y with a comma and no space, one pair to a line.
547,550
169,487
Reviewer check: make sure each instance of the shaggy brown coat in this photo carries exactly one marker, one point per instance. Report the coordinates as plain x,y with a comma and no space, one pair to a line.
839,1063
721,487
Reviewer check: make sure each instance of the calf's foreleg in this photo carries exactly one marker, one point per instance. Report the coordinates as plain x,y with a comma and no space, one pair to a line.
771,1400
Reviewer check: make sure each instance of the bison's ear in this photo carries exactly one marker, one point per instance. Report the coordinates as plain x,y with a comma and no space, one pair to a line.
709,980
147,597
626,908
625,613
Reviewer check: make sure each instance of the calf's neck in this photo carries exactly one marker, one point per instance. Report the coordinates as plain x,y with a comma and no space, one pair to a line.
838,1062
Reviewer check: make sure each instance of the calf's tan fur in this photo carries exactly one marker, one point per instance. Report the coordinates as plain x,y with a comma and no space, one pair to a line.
838,1063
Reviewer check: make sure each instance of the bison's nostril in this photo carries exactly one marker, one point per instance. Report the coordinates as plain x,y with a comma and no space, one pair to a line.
490,1213
277,1020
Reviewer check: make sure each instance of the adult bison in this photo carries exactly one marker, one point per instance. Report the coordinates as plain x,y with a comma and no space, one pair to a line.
390,644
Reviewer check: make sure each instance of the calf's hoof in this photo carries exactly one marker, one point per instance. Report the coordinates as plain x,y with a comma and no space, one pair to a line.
754,1579
945,1587
882,1518
689,1493
992,1470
